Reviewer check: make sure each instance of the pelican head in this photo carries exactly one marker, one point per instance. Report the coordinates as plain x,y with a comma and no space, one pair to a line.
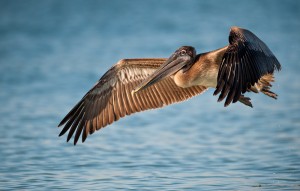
181,59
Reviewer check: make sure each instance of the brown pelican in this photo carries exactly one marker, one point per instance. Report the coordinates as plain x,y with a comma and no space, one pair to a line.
134,85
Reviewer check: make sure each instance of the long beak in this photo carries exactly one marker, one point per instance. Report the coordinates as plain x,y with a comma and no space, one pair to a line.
171,66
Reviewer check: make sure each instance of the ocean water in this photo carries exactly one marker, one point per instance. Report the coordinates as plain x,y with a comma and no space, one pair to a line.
52,52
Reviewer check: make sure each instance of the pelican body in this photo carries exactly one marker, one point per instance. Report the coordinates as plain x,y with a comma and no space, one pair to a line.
134,85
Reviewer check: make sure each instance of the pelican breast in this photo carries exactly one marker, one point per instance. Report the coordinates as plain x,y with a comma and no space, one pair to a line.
203,72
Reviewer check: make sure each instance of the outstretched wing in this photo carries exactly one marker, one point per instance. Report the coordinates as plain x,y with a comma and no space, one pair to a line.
111,98
245,61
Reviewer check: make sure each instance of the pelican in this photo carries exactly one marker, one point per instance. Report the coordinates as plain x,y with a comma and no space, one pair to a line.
134,85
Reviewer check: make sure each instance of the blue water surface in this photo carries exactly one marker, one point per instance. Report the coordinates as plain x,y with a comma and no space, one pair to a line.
52,52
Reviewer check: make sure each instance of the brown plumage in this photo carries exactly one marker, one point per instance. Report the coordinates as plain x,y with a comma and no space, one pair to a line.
134,85
111,98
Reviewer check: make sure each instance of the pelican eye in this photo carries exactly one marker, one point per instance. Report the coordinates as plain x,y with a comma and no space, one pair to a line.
183,52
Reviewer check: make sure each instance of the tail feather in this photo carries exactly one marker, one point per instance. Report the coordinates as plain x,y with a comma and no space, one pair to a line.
264,85
269,93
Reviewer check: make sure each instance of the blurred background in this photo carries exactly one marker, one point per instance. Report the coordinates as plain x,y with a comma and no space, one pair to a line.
52,52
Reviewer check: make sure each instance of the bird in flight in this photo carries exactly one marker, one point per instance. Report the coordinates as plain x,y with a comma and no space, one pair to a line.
134,85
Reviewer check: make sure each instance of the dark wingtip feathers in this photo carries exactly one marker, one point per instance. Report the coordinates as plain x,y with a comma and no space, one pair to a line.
245,100
246,60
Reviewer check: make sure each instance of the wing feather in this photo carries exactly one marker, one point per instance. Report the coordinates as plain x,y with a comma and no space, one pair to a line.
245,61
111,99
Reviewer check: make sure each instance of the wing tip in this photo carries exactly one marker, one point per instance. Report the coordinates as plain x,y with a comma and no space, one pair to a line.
61,133
61,123
64,120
